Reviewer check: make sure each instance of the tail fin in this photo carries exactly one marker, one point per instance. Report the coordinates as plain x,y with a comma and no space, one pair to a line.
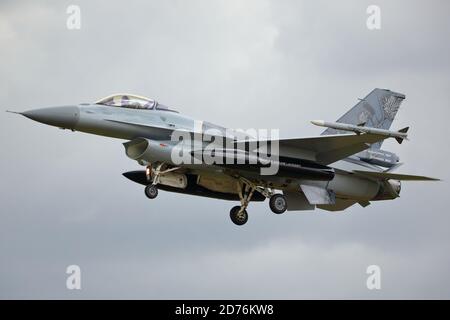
376,110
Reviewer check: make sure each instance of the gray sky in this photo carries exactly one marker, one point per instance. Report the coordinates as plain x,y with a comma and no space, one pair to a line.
241,64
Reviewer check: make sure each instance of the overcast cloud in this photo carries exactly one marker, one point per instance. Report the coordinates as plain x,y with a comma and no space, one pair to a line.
241,64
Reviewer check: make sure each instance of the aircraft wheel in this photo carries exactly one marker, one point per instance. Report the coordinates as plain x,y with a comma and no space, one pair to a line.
151,191
278,203
238,218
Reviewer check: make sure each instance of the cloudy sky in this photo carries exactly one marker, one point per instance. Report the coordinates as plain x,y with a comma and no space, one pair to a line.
262,64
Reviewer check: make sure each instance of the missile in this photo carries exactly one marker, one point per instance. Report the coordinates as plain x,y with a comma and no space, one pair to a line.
399,135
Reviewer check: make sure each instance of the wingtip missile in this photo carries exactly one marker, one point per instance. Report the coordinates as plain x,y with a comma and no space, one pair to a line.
319,123
400,135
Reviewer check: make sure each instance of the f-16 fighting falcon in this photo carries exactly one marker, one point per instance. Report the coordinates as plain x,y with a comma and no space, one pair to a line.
343,166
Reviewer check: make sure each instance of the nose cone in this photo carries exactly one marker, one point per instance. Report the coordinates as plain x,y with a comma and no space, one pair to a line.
63,117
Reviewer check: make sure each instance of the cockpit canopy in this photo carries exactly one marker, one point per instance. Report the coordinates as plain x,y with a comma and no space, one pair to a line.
132,101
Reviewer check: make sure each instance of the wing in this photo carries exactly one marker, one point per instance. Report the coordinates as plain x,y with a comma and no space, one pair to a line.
395,176
326,149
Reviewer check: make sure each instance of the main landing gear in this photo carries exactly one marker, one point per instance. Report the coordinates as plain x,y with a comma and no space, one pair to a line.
238,216
246,189
278,203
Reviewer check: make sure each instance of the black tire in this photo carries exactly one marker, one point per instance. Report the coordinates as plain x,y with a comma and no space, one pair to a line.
151,191
240,219
278,203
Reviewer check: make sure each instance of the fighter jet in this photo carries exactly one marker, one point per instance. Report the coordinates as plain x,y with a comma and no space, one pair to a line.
343,166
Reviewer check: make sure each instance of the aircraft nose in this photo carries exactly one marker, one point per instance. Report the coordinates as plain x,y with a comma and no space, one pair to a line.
63,117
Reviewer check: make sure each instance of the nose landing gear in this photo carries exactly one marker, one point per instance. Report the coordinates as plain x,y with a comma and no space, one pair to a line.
151,190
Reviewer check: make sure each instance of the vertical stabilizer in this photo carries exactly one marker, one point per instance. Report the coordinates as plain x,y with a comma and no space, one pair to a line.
376,110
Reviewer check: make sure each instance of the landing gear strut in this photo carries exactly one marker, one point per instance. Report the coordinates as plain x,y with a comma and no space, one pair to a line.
153,175
246,189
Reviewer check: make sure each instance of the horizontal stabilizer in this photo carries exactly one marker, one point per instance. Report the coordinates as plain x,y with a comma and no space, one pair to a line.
395,176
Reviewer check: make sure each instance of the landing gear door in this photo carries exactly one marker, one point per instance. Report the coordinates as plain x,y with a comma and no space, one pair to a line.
297,201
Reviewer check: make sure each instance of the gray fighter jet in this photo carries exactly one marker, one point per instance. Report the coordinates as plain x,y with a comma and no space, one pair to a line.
343,166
